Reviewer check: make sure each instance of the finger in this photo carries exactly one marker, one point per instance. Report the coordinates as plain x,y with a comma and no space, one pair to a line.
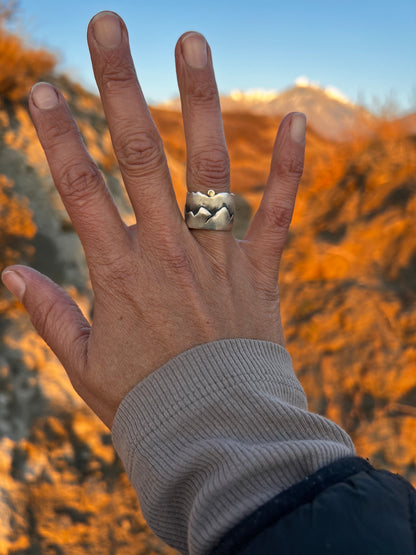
208,165
267,234
56,317
136,141
77,178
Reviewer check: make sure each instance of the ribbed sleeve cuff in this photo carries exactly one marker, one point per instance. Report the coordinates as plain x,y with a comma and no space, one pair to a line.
217,432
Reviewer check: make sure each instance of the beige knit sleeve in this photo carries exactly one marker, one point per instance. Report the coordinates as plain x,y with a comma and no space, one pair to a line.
217,432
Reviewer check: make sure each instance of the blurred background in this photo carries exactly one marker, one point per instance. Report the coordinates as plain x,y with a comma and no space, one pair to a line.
348,277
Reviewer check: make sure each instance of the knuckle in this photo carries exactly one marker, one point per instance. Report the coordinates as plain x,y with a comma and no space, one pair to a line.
203,93
140,153
58,130
278,217
290,167
79,182
177,261
173,255
104,258
119,277
118,74
212,168
115,277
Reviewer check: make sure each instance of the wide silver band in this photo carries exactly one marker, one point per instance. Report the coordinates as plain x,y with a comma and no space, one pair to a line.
213,211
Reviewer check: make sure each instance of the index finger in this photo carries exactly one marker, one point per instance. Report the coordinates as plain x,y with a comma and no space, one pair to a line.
136,141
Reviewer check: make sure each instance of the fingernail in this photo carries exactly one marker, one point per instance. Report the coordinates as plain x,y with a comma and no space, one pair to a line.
194,50
14,283
107,29
298,128
44,96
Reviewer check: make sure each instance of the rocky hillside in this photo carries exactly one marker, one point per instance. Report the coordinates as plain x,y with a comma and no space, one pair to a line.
349,296
348,286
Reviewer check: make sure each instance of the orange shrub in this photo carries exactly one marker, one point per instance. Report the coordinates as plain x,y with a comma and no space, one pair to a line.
16,225
20,65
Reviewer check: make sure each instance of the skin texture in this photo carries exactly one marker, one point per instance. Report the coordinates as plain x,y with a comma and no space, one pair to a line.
159,288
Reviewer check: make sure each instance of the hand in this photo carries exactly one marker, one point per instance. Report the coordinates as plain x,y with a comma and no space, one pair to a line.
159,288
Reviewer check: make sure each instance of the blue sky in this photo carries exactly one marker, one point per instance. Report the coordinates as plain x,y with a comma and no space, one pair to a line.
364,48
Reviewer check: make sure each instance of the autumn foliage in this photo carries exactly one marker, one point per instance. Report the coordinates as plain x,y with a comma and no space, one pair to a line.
16,224
20,65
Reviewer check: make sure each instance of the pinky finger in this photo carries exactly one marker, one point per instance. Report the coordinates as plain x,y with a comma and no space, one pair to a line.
55,316
266,237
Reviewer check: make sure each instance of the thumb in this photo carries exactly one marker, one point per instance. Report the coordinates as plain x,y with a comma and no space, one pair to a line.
55,316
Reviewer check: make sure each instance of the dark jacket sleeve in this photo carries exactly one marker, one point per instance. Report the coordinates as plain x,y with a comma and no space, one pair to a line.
345,508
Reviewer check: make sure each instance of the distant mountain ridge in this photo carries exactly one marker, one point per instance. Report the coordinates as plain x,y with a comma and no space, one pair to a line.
328,111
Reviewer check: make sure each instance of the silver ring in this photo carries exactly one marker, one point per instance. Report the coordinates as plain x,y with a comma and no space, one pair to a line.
213,210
